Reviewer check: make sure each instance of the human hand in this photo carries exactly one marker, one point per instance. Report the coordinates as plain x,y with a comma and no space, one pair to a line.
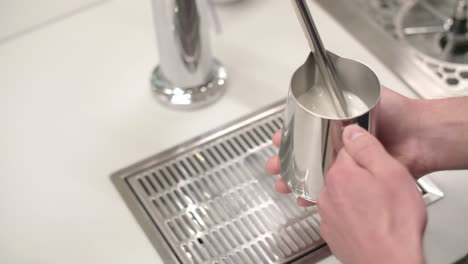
399,131
425,135
371,209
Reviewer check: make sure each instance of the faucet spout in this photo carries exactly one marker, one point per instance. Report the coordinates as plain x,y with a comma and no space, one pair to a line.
187,27
188,76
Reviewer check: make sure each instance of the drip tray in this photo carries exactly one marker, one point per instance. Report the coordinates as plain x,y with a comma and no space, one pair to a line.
210,200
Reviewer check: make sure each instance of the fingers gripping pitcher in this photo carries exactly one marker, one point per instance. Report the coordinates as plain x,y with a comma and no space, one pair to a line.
326,94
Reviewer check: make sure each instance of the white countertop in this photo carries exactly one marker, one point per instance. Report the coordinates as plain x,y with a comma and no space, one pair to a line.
75,106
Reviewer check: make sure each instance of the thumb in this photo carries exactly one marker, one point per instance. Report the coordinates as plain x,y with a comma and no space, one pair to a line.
365,149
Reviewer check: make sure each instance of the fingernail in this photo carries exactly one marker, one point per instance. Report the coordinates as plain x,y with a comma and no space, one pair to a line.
353,132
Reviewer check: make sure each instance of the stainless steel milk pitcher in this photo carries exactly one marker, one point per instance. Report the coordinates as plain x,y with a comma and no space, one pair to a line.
311,136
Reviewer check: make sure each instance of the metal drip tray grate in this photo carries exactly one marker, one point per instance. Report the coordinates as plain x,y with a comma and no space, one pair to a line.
210,201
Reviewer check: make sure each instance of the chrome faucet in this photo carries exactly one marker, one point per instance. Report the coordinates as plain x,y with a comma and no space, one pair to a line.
188,76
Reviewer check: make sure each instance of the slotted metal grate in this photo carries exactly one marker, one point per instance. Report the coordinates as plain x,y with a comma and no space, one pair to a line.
210,200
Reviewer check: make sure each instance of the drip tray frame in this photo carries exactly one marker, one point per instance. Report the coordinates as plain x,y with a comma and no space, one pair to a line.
208,200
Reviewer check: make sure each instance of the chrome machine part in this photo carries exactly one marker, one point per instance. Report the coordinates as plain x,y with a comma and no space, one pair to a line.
187,75
445,50
441,37
209,200
423,41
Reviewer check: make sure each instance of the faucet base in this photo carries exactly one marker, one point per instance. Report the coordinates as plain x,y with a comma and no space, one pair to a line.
189,97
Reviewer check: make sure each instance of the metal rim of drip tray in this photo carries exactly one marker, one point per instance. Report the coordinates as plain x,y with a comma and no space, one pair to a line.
209,200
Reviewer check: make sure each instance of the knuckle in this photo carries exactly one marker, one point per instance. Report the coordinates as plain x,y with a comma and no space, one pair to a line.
341,178
331,178
335,175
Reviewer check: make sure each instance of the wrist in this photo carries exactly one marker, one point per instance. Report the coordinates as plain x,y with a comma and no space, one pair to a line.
423,160
442,132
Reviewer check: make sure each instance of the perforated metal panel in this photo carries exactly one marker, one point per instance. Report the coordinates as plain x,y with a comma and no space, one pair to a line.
401,52
215,203
210,200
